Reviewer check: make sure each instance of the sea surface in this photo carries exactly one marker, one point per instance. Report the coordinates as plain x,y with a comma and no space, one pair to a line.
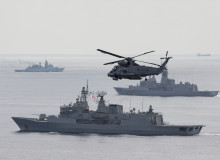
29,94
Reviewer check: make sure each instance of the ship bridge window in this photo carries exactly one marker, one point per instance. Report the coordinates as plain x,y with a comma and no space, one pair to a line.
190,129
182,129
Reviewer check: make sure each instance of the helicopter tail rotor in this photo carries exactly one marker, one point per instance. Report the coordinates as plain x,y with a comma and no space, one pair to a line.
166,56
163,65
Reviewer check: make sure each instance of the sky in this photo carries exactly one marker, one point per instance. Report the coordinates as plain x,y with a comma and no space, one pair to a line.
119,26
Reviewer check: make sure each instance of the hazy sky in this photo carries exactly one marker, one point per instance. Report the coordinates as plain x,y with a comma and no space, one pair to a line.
120,26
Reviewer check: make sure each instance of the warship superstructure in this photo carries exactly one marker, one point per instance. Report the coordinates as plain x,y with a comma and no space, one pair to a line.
39,68
167,87
107,119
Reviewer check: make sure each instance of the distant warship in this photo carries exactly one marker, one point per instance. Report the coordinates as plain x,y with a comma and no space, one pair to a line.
206,54
107,119
166,88
40,68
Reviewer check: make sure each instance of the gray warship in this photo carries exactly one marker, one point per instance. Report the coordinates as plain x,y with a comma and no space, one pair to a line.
166,88
39,68
107,119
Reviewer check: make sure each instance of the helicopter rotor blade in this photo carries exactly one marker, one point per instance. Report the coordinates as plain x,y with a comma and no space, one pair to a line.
111,62
105,52
149,63
142,54
166,53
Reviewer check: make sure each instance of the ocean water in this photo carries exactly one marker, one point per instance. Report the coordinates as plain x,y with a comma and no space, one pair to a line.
29,94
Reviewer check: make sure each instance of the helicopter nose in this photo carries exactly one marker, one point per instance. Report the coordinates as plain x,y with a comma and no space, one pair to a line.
110,74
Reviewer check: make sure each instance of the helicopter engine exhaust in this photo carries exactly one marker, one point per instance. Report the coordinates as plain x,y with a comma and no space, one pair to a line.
123,63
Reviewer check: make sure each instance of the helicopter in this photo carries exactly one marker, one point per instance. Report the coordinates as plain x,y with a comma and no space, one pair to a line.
127,67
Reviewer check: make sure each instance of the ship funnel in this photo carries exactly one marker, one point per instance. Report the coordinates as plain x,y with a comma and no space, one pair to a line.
150,109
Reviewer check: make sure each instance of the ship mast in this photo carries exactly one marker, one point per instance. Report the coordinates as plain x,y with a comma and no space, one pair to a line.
83,97
87,86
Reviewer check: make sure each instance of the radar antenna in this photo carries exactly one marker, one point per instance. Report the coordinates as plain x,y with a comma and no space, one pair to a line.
101,93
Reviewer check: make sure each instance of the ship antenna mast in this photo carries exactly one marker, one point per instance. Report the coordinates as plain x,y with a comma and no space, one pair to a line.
130,105
87,86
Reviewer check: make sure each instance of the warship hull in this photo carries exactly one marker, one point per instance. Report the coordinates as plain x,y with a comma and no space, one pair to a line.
67,126
40,70
162,93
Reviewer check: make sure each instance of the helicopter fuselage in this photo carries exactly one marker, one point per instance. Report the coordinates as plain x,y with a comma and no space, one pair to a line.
128,69
134,71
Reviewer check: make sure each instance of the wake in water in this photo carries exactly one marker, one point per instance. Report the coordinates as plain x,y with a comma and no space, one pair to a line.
210,134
